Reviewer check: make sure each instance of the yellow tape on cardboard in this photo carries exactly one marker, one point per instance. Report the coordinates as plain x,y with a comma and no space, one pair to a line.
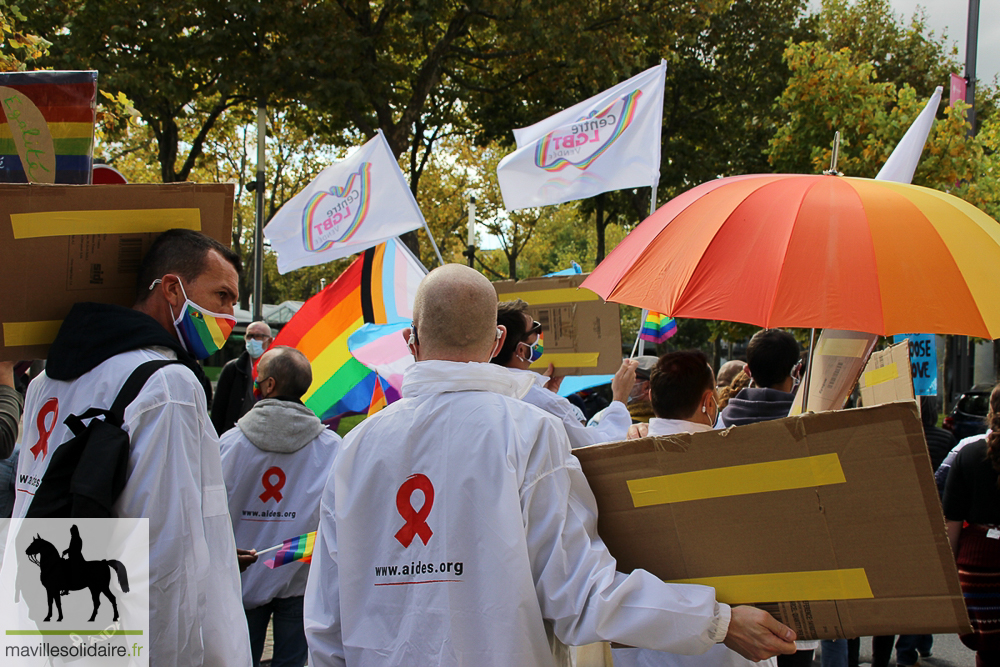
843,347
567,359
846,584
880,375
72,223
544,296
737,480
42,332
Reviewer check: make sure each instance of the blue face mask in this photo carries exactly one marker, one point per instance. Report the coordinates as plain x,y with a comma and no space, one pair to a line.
255,348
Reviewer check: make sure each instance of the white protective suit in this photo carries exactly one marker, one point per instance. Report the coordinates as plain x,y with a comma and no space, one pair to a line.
174,479
275,462
613,426
497,552
718,655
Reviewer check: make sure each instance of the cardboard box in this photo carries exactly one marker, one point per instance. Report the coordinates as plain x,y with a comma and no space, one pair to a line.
887,376
582,332
830,521
60,244
836,365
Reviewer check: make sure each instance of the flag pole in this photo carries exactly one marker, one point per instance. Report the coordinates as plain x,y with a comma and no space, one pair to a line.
638,337
433,244
258,236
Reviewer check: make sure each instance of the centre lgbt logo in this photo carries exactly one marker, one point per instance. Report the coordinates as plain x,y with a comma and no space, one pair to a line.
582,142
334,216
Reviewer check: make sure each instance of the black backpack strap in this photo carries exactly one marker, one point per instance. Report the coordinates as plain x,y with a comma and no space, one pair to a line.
135,382
115,415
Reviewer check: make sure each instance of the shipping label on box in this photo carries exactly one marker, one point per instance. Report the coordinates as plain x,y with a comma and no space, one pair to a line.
830,521
582,333
63,244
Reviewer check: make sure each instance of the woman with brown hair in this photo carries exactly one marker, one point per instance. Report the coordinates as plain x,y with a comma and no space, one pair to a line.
972,513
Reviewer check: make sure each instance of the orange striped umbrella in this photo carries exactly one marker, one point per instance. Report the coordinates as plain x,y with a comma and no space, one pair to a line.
795,250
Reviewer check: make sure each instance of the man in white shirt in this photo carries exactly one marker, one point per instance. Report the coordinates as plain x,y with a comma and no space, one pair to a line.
174,475
275,462
522,347
456,527
682,393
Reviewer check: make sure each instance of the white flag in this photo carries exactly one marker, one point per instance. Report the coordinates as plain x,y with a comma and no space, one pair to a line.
352,205
902,163
609,142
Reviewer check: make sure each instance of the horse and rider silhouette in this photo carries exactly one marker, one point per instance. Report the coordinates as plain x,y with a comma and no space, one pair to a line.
60,575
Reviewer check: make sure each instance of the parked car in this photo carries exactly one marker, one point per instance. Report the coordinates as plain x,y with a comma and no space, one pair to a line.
968,418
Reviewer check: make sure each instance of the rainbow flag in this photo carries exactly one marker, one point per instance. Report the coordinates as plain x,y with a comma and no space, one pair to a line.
377,288
657,328
54,115
296,549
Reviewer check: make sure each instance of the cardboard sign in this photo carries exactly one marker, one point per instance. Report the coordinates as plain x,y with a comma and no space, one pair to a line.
48,133
923,362
60,244
582,333
830,521
836,364
887,376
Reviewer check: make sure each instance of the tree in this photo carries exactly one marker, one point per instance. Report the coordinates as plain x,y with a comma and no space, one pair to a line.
17,48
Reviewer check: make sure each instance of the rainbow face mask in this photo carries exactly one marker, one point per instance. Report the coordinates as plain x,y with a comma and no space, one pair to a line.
202,332
536,349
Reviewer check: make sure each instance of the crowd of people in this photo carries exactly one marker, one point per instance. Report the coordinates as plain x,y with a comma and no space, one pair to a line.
454,527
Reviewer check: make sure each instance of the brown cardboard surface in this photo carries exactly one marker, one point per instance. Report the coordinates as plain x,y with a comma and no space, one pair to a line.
881,522
886,377
582,332
836,365
60,244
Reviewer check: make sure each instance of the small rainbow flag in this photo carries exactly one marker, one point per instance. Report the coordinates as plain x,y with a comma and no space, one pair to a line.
295,549
378,398
657,328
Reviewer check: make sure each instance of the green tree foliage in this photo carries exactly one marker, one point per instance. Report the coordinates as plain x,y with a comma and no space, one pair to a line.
17,48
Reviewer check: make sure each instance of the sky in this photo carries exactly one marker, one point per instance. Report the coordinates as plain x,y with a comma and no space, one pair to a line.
948,17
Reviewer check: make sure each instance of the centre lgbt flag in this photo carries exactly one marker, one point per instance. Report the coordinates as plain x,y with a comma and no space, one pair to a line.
353,204
608,142
377,288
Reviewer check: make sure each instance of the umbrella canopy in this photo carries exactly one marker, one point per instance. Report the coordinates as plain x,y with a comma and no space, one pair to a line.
813,251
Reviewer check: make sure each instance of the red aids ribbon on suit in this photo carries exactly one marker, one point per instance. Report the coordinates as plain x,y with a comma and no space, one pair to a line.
272,490
51,407
416,520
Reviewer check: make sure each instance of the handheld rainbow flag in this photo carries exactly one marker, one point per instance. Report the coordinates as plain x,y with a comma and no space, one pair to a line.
296,549
657,328
378,288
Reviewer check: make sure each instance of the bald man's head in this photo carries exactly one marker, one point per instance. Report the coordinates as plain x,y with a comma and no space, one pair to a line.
290,369
455,315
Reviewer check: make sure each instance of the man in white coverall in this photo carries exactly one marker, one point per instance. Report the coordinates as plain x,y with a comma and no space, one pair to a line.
683,398
275,462
174,473
521,348
456,527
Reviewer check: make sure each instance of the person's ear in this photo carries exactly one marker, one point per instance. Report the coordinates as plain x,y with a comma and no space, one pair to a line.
501,337
746,369
410,336
170,288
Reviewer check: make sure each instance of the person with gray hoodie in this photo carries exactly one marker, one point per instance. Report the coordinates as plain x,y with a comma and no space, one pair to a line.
275,462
